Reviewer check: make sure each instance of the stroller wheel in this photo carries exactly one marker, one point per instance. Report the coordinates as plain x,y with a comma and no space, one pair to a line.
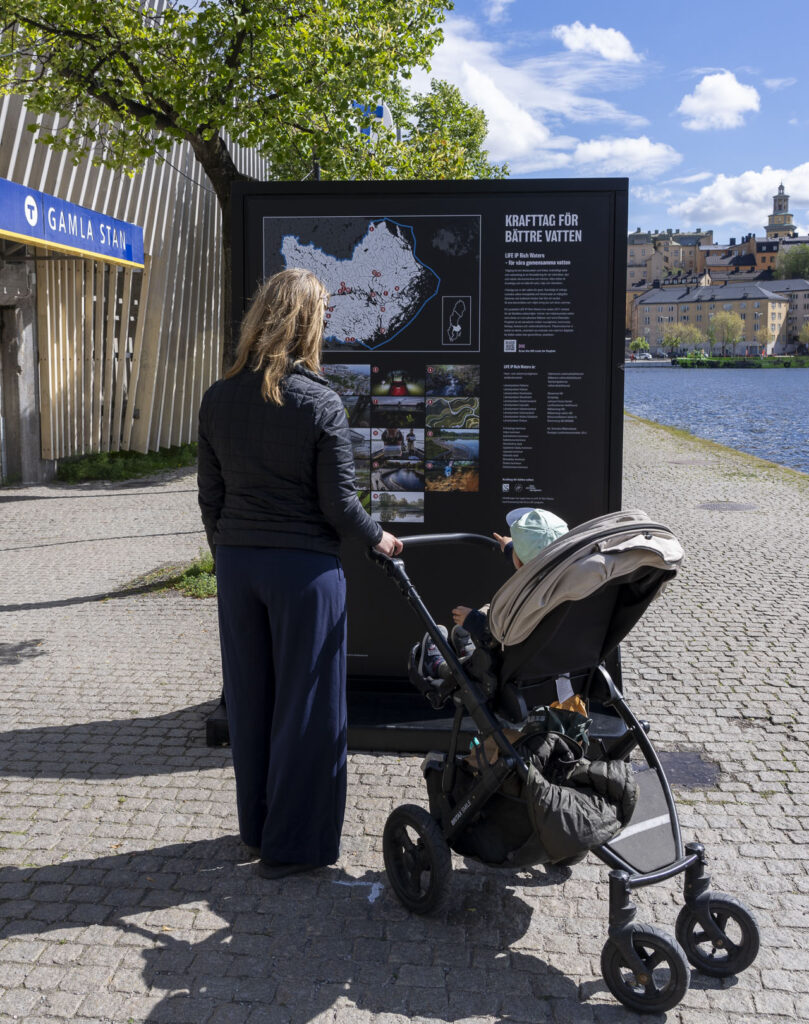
417,859
661,986
719,958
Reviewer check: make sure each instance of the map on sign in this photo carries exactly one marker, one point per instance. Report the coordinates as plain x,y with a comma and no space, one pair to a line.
384,274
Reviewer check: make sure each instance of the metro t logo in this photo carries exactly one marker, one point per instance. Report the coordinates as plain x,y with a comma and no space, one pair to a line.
31,212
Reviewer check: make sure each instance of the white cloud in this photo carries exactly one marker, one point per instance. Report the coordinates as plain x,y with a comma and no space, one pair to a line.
651,193
626,156
745,198
608,43
513,131
527,101
496,9
718,101
690,178
779,83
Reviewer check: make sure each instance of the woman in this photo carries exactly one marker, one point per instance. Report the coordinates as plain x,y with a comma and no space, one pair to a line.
276,490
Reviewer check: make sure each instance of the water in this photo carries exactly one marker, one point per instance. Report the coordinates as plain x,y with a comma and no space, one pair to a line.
457,449
407,479
762,412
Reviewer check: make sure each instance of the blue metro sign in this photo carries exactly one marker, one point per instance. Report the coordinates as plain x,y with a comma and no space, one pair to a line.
37,218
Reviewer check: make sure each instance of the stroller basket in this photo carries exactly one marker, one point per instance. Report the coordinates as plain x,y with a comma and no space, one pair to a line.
557,624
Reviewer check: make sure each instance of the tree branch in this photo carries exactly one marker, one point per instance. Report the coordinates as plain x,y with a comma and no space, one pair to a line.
69,33
164,121
232,60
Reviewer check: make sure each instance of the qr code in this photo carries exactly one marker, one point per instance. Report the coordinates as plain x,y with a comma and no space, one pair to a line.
509,344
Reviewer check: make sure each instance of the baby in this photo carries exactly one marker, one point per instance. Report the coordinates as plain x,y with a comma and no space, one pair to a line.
532,530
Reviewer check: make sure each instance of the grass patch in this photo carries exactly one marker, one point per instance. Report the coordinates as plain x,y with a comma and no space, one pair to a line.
195,579
760,362
124,465
198,580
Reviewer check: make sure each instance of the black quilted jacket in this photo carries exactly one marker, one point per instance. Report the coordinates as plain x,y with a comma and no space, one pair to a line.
278,476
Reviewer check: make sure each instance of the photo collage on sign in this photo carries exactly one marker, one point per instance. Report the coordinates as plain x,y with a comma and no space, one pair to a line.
397,446
452,426
410,433
352,382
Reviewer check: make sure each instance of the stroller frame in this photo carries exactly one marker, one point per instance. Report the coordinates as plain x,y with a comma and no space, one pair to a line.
633,952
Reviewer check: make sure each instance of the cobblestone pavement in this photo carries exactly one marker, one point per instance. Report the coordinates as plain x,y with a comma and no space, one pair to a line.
126,896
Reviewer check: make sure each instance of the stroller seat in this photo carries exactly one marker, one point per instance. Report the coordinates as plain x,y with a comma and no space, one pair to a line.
564,614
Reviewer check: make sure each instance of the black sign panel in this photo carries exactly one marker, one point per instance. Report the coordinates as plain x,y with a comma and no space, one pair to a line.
475,332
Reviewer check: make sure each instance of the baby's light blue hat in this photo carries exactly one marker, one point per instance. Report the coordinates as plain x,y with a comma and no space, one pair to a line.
533,529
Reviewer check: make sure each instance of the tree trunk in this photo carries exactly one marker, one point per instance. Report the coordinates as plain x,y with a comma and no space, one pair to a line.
216,161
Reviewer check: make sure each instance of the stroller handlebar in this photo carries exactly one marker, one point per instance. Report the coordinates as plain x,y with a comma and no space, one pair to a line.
427,539
423,539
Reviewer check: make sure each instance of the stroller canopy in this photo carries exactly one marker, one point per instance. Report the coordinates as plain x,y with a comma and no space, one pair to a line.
579,564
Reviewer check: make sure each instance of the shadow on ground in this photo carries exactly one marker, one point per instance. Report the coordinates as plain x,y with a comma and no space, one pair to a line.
13,654
113,749
291,948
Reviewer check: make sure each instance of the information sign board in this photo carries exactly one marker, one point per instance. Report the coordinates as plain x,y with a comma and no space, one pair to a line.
475,333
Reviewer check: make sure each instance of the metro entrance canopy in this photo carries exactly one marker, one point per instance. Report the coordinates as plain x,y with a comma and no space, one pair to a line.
36,218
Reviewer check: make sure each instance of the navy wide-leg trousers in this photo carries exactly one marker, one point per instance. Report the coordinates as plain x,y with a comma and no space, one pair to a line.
282,629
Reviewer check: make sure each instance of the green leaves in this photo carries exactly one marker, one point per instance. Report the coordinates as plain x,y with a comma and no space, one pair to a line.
129,80
793,262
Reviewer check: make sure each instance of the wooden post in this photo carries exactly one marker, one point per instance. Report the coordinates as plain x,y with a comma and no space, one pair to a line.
98,352
109,358
120,369
87,390
137,353
44,350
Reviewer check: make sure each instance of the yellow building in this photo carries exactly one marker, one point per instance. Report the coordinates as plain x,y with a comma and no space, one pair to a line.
656,255
763,313
797,292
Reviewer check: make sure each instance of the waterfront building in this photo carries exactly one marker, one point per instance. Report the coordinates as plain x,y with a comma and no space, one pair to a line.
762,311
654,255
766,253
785,244
674,260
796,290
662,256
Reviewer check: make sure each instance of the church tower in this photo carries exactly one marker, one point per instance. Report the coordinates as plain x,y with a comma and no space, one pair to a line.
779,223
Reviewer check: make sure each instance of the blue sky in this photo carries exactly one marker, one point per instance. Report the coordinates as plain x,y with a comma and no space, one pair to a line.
704,107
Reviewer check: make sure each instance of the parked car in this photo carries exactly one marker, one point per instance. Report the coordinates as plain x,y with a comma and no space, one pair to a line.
644,355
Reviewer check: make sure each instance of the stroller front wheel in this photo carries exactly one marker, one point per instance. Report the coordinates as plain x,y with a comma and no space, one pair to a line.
417,859
738,946
666,977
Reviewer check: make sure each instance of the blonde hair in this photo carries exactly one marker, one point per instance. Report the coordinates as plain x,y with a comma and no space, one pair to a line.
283,325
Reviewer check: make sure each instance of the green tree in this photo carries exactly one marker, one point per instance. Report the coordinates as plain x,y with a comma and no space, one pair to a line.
803,338
291,80
677,336
443,138
792,262
727,329
639,344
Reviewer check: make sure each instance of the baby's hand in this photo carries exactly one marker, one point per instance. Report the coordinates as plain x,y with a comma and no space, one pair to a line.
502,541
459,614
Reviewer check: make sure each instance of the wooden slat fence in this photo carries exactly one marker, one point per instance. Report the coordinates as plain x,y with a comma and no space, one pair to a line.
124,355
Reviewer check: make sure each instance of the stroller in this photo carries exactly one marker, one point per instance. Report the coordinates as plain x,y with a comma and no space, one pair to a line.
558,623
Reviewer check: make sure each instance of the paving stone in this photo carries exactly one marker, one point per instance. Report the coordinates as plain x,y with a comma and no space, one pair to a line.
124,889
